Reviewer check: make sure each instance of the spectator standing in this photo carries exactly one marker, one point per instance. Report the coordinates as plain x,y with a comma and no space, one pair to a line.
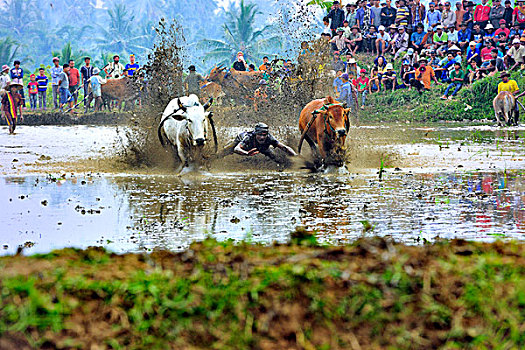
348,93
337,16
507,15
482,13
350,14
388,14
338,82
55,72
497,13
74,81
115,69
132,66
96,82
468,16
5,79
32,90
376,11
63,83
448,17
42,81
418,13
457,78
402,14
17,77
382,41
518,15
433,15
192,82
459,15
364,16
361,85
86,71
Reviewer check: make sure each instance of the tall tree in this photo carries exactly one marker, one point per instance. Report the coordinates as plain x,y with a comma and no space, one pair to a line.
8,50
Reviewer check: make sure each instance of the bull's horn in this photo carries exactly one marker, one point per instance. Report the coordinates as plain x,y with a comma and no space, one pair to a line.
212,123
181,106
208,104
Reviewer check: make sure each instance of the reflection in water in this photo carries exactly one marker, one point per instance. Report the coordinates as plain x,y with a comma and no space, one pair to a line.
130,213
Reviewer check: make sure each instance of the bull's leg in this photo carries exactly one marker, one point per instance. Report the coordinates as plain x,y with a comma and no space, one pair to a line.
498,119
315,151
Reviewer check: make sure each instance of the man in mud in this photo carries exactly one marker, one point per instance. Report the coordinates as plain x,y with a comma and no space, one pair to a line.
259,140
192,82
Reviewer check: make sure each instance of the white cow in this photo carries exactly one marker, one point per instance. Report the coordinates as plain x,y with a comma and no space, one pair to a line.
184,124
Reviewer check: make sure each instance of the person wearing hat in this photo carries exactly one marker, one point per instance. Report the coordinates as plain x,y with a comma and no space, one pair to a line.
496,13
131,67
388,14
518,15
489,32
86,72
452,34
468,16
382,41
192,83
250,143
389,78
5,79
355,40
457,78
339,41
32,90
433,15
361,85
502,29
115,69
351,65
481,14
515,56
337,17
55,71
473,53
440,37
348,93
424,76
12,105
400,42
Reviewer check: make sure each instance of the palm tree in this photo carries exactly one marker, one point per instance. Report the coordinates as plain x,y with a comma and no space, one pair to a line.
67,54
240,34
8,50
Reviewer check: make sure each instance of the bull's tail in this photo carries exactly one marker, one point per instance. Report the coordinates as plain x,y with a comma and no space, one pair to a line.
159,131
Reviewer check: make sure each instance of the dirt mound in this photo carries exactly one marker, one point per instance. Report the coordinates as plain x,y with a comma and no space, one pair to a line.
371,294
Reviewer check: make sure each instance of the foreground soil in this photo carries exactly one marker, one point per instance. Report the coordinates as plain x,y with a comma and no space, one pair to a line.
372,294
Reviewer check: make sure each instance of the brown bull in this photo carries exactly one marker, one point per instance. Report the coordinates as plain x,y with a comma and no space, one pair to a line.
235,83
121,90
324,124
209,90
505,107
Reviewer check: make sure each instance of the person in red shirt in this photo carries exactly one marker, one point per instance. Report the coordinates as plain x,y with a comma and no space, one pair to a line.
361,84
32,88
482,14
74,79
502,29
518,15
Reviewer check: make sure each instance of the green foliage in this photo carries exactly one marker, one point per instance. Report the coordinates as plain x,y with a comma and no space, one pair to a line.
8,50
324,4
67,54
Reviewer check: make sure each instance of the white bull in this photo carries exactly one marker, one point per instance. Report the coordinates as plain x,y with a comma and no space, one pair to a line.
184,124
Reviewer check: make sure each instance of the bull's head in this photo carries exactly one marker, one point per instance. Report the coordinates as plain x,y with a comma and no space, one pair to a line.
217,73
195,116
337,122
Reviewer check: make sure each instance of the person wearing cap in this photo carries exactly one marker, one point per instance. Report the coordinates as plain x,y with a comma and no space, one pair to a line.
433,15
250,143
518,15
515,55
440,37
192,83
32,90
361,85
12,105
473,53
340,41
452,34
355,40
389,78
502,29
388,15
86,72
448,17
56,70
350,14
457,78
5,79
496,14
131,67
464,36
115,69
468,16
42,81
348,93
382,41
482,13
337,16
402,14
400,42
364,16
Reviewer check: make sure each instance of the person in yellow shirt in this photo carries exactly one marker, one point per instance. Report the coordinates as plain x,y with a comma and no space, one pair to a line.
508,84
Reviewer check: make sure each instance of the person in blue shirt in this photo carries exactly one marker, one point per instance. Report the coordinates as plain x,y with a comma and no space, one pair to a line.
17,77
55,72
131,67
417,38
464,35
364,17
42,81
338,82
433,15
473,53
348,93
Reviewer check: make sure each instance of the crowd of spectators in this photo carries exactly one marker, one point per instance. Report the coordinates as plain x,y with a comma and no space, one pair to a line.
438,44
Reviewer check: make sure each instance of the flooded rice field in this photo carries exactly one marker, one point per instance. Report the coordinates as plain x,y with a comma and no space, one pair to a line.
57,190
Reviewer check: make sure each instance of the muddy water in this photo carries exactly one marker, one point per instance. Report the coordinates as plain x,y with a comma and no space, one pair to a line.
439,181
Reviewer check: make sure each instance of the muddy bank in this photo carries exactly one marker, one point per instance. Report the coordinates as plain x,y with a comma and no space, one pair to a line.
371,294
66,119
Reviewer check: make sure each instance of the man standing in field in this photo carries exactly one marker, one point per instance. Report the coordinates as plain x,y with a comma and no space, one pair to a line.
42,81
132,66
115,69
86,72
55,72
192,82
74,80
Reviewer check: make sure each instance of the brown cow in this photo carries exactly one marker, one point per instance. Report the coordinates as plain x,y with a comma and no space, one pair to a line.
505,106
121,90
209,90
235,83
324,124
